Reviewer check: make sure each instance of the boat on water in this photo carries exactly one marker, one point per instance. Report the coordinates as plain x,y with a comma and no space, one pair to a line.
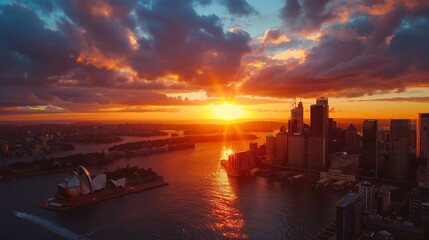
82,189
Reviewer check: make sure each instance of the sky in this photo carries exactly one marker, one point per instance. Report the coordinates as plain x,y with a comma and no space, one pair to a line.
171,60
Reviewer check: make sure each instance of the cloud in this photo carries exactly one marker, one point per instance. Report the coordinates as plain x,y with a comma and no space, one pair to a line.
398,99
307,15
365,55
107,46
333,110
239,7
140,109
90,55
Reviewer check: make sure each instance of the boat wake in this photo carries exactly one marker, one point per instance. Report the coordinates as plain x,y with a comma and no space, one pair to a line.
55,228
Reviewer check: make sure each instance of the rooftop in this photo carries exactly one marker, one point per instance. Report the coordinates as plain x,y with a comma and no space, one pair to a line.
347,200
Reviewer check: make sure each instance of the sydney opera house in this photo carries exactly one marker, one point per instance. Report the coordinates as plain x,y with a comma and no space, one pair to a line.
81,183
82,189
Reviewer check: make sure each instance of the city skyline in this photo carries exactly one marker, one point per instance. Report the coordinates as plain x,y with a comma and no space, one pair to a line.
213,59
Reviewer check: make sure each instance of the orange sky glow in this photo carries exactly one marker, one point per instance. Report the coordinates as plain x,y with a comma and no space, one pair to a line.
95,60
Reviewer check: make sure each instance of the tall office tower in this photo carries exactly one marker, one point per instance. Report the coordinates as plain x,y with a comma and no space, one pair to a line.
296,121
270,151
349,217
369,147
413,139
337,138
400,145
422,151
295,151
253,154
239,163
383,149
422,131
281,148
352,141
319,123
315,153
366,192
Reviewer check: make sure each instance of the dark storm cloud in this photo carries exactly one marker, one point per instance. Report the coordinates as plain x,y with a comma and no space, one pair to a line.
239,7
307,15
365,55
192,46
95,46
31,53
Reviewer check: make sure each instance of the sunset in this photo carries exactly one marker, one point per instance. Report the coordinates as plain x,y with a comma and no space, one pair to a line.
102,60
214,119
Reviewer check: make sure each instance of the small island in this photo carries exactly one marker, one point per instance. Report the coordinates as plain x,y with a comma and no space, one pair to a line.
82,189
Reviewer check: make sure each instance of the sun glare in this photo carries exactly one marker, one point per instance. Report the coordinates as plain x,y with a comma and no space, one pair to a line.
227,111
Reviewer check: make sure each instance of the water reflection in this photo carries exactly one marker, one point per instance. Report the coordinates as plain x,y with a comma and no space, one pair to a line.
225,152
228,219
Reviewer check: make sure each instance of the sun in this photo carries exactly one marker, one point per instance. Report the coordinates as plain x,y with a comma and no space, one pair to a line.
227,111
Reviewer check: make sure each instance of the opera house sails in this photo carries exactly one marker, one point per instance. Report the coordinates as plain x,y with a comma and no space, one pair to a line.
81,183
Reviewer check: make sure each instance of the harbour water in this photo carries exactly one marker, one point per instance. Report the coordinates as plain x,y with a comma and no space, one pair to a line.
201,202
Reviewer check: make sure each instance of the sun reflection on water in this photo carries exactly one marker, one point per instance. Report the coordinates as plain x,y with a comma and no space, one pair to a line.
225,152
228,219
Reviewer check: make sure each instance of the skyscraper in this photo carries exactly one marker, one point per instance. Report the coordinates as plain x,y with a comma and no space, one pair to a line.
281,148
422,151
369,147
315,153
270,151
253,154
349,217
400,145
296,151
319,124
366,192
351,139
423,136
296,121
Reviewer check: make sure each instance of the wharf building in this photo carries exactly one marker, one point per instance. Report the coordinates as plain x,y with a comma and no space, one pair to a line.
343,163
349,217
400,145
369,160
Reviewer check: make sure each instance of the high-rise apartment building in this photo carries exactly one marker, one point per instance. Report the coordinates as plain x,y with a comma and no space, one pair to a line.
367,193
349,217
